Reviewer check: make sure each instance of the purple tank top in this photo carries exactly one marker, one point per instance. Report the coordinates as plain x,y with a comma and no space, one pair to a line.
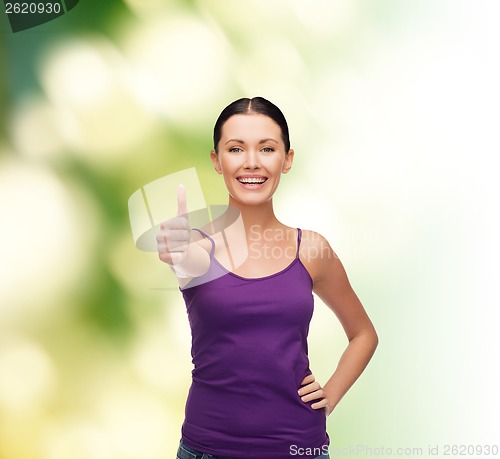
250,354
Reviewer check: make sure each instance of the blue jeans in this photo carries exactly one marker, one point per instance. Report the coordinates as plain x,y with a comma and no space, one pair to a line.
186,452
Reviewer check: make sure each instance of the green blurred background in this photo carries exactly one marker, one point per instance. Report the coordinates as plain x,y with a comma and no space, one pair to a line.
393,112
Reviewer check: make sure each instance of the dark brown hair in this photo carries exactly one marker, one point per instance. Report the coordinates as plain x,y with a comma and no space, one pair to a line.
246,106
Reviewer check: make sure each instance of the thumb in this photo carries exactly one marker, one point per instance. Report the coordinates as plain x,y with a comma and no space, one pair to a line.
181,200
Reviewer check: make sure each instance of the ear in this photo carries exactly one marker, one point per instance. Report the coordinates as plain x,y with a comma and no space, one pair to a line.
287,165
215,160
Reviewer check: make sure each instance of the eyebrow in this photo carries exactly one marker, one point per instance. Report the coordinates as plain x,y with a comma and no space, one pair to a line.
260,141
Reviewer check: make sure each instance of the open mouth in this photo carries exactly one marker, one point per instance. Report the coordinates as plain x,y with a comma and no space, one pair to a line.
252,181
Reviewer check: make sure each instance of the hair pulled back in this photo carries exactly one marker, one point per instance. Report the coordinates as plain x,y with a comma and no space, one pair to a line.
246,106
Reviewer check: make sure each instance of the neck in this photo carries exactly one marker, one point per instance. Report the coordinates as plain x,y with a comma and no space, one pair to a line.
256,218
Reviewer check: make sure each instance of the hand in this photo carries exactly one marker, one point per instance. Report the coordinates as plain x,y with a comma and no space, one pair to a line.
313,391
175,234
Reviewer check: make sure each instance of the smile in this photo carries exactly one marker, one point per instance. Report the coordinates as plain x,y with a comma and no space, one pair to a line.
256,180
252,183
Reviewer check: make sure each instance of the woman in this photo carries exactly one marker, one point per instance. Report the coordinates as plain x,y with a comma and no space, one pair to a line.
253,394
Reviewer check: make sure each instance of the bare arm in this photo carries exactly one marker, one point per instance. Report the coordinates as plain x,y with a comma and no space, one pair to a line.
331,284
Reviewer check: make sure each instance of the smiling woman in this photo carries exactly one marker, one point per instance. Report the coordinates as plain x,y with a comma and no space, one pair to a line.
253,394
251,155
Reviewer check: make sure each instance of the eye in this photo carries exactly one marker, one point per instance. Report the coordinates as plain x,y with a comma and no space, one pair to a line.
235,149
268,150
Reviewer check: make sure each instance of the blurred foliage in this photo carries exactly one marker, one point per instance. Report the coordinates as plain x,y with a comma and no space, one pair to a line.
94,339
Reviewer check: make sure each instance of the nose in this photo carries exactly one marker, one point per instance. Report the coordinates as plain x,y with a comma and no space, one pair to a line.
251,160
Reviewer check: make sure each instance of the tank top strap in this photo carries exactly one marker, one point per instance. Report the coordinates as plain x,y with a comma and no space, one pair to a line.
211,240
299,237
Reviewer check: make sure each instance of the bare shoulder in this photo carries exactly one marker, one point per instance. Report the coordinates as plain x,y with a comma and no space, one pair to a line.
312,243
317,255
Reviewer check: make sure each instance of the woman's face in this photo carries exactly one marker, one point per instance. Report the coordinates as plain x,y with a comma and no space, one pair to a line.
251,157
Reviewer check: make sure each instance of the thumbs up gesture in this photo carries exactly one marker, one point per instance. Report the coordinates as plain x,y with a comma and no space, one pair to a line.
175,234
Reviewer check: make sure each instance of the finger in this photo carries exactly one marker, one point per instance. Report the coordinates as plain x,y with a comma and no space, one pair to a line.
313,395
308,379
162,248
311,387
177,234
181,200
165,257
178,222
177,249
171,242
322,404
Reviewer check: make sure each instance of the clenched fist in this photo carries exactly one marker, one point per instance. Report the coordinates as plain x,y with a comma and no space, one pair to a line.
175,234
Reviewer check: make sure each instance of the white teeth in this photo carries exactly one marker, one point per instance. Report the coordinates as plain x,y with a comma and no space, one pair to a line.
252,180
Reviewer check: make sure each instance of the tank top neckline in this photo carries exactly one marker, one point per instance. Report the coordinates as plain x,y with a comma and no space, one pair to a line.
269,276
